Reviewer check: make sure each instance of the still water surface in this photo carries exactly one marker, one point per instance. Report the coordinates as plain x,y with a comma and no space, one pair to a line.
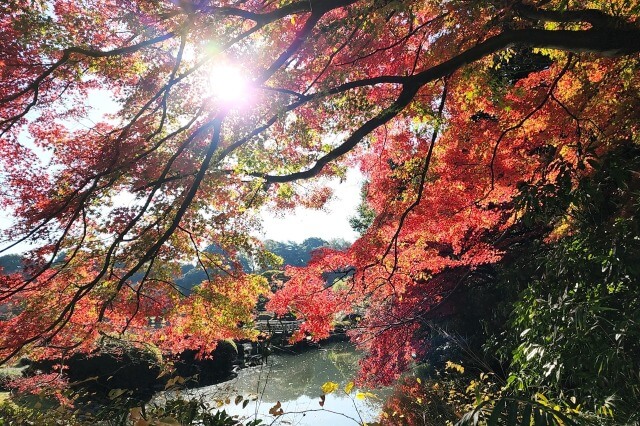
295,381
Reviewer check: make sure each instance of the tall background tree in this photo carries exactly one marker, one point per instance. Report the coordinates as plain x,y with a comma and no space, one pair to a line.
453,110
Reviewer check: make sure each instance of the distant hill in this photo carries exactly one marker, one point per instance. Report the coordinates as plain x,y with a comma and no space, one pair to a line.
295,254
11,263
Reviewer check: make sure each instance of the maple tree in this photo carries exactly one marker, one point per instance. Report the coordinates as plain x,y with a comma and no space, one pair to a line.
222,106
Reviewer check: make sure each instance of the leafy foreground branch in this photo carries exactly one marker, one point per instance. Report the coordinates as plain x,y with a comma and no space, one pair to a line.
176,412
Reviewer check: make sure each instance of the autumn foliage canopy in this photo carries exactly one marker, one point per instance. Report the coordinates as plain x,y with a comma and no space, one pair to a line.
220,108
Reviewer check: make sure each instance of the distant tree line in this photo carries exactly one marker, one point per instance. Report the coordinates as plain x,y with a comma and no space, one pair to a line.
292,253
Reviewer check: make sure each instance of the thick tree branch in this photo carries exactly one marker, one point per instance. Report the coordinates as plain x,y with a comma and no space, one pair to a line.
315,6
405,97
598,41
595,17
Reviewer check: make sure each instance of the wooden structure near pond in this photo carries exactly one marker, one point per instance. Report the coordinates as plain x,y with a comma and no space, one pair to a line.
278,328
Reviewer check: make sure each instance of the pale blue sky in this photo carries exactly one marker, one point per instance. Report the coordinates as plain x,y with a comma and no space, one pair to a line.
330,223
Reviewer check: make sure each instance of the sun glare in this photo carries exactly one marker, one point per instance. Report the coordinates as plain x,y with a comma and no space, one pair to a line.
229,85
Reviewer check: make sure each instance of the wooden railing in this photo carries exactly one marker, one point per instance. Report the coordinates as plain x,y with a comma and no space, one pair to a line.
276,326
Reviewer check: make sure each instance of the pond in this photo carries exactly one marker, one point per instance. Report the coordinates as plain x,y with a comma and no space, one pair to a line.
296,381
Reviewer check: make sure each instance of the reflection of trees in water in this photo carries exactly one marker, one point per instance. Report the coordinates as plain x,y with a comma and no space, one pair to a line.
296,381
345,360
289,377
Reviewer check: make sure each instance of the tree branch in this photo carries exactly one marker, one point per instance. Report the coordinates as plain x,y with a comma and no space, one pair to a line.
595,17
598,41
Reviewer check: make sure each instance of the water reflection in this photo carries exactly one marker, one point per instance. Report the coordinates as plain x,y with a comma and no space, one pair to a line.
295,381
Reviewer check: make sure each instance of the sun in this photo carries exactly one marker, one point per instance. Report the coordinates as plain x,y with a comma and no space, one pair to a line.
230,85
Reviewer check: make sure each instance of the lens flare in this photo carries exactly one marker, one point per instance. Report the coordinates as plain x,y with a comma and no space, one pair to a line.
230,86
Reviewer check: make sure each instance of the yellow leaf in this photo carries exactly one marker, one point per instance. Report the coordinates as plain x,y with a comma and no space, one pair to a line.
360,396
418,380
329,387
542,399
348,387
472,386
453,366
